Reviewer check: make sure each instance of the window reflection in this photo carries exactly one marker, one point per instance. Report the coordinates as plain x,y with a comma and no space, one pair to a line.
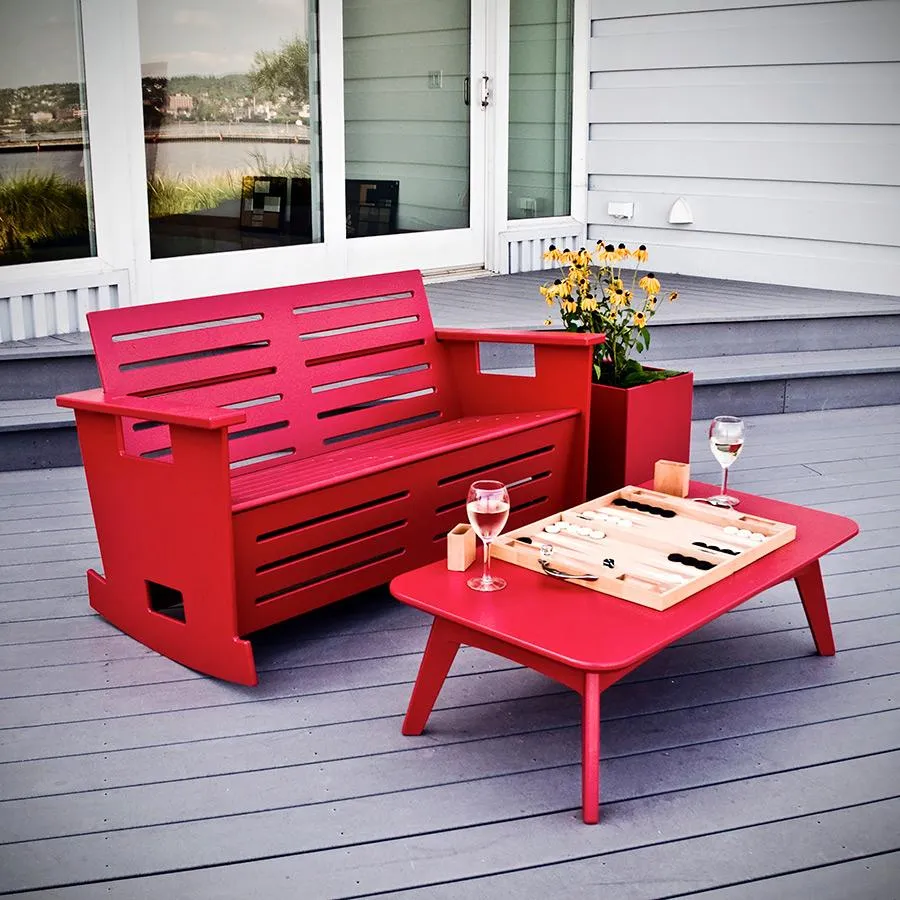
407,96
45,200
540,108
230,105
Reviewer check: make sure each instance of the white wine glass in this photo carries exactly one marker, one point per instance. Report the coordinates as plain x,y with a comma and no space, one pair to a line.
487,507
726,440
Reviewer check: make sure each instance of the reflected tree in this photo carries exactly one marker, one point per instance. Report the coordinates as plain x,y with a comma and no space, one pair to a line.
284,71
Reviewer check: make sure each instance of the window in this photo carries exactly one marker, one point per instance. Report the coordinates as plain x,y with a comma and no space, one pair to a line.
406,116
540,108
230,101
45,197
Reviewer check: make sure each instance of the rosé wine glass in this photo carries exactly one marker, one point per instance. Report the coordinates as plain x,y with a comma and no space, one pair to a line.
487,507
726,440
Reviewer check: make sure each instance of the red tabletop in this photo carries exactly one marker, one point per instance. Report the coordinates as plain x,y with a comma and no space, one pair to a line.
594,631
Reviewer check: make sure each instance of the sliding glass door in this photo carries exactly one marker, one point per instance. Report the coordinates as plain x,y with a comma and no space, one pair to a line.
414,132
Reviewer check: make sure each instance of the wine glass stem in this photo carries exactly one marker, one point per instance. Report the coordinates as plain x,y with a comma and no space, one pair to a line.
486,575
724,480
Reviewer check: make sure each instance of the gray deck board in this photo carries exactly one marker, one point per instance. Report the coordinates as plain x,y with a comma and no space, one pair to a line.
736,763
870,877
515,298
687,867
499,767
543,834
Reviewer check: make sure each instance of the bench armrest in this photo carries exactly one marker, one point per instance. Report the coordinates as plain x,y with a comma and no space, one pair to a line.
154,409
538,338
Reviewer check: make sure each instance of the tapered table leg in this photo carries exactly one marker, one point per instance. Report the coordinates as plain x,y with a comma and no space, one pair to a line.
440,651
812,593
590,749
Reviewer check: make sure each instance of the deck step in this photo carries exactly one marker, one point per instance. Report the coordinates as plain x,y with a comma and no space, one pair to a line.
36,434
44,367
767,383
801,364
710,338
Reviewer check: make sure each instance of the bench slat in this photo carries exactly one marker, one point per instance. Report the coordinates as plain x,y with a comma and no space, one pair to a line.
268,486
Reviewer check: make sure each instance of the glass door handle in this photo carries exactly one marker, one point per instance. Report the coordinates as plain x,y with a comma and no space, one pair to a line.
466,97
485,91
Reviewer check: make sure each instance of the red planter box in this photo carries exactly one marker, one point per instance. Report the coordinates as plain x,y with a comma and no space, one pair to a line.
631,428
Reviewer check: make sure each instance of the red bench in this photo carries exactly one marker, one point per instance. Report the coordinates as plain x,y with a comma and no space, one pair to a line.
254,456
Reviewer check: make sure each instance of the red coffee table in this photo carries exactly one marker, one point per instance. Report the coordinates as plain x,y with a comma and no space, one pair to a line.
588,640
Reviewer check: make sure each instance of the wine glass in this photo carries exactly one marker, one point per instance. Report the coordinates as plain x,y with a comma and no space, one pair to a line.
487,507
726,440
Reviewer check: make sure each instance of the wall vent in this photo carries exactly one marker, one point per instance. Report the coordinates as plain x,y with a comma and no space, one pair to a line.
59,305
525,249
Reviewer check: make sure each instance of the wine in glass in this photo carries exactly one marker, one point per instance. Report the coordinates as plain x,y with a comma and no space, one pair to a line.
726,440
488,509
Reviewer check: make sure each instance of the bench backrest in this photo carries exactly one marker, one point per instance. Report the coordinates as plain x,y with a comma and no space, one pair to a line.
314,366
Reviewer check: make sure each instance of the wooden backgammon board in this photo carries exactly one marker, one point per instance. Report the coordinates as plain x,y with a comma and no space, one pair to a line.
643,546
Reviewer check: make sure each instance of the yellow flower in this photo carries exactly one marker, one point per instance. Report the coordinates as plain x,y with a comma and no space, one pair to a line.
640,319
628,296
589,303
552,253
608,252
651,303
673,296
621,252
617,297
650,283
568,306
640,254
617,283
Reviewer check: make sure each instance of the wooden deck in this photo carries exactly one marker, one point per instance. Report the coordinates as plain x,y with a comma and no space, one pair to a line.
737,764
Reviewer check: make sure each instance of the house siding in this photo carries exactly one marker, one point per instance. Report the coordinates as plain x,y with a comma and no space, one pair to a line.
779,123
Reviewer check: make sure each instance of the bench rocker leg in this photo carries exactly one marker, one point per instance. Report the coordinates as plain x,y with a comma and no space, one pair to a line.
168,577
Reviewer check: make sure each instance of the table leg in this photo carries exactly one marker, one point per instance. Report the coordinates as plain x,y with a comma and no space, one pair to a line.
812,593
440,652
590,749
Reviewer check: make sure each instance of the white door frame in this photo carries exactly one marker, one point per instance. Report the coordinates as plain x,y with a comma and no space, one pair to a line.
504,231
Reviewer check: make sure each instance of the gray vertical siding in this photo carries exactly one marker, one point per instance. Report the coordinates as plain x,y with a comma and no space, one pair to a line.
778,122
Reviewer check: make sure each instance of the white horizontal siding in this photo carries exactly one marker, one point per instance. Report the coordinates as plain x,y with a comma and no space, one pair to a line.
826,212
840,154
760,258
615,9
855,93
779,124
855,31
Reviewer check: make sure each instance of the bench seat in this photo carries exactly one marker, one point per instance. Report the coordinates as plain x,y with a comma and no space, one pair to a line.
267,486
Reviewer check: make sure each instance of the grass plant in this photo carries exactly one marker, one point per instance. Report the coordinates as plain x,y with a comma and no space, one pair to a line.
39,208
173,194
